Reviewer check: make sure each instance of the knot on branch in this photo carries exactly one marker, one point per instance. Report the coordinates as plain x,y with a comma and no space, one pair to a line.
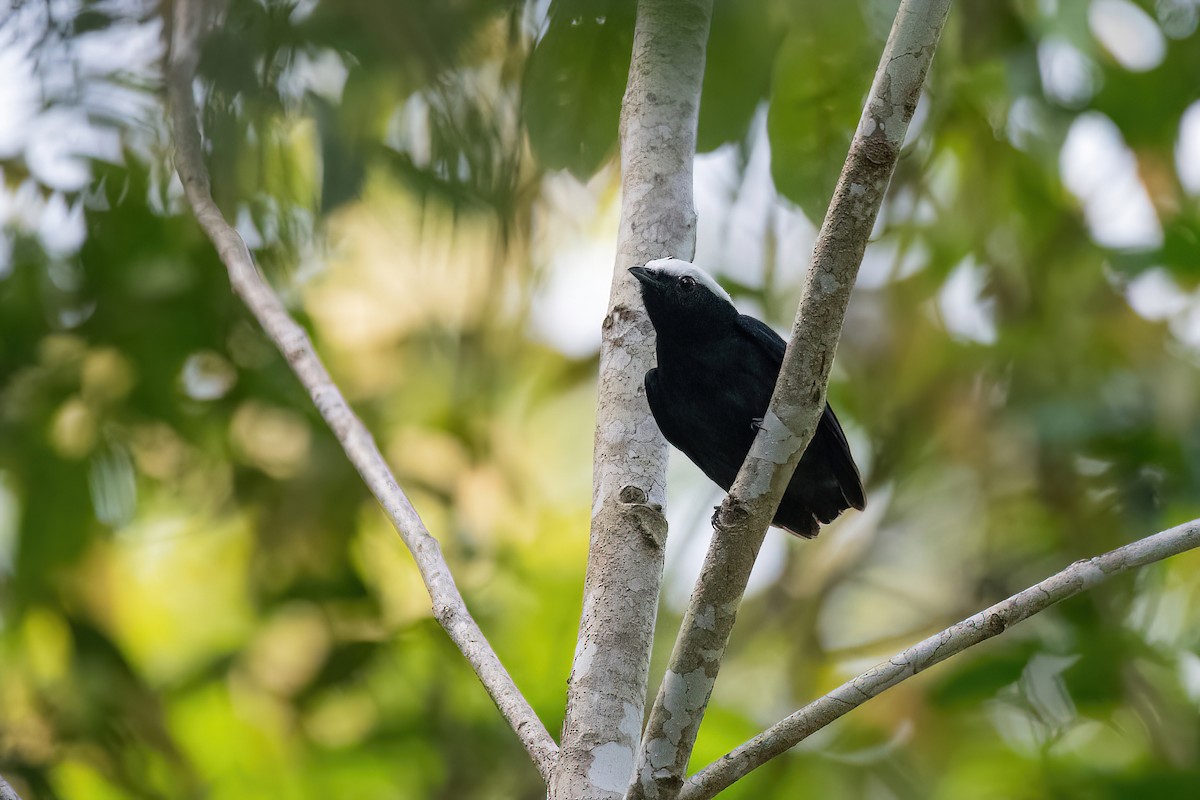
647,517
879,151
446,614
631,495
620,321
730,515
910,101
663,783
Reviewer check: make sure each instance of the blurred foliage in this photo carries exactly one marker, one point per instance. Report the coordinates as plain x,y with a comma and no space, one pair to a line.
584,53
199,599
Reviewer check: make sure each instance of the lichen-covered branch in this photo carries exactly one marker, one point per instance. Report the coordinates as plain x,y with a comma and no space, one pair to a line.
796,405
607,693
1077,578
7,792
188,24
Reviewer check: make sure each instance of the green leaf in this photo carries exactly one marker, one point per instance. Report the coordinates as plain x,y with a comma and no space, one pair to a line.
816,100
342,168
737,71
574,83
90,20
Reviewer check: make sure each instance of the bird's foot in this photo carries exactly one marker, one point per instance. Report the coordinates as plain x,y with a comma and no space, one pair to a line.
756,424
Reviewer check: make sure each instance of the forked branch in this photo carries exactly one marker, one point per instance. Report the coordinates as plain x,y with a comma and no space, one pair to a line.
188,26
796,406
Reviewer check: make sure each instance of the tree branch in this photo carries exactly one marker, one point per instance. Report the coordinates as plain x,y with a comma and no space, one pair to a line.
1075,579
7,792
607,693
796,405
188,25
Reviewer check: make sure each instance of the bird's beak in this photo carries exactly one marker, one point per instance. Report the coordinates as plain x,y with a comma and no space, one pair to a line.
646,277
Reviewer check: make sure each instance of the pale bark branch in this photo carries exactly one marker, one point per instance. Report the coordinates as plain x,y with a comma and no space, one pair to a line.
1075,579
607,692
7,792
796,405
187,29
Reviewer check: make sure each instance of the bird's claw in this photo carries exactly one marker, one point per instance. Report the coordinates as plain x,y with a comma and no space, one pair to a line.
756,424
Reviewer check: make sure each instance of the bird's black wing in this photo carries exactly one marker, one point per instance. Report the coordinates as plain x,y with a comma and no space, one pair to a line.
763,336
660,407
693,433
829,441
833,442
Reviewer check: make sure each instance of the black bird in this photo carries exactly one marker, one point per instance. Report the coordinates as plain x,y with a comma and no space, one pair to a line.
716,371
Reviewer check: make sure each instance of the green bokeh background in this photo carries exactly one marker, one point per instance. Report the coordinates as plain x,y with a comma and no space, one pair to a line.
198,598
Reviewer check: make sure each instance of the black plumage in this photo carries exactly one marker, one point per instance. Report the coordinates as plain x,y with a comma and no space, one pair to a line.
716,371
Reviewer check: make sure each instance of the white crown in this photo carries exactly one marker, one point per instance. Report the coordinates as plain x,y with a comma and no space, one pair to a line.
677,266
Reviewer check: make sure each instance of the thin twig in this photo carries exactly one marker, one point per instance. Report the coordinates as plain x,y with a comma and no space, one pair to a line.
1077,578
297,348
796,406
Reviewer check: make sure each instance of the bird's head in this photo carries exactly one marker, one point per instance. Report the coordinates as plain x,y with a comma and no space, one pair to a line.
679,295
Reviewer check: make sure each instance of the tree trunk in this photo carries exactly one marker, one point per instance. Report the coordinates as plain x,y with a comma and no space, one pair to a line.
607,693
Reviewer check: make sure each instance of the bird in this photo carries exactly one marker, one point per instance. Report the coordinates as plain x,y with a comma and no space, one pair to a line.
716,370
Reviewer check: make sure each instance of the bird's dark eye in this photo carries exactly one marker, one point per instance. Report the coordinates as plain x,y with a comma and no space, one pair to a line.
687,282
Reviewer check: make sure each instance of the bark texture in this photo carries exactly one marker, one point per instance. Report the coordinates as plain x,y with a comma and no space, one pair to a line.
7,792
188,25
1077,578
606,696
796,405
